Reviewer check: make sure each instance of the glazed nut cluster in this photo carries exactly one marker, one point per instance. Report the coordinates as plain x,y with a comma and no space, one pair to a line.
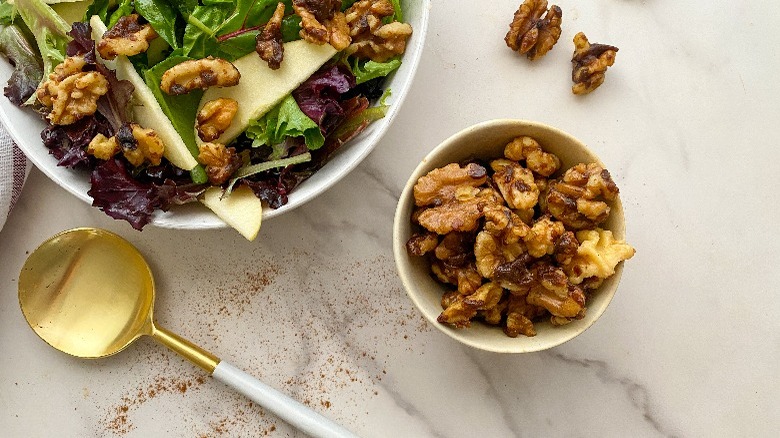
71,93
516,243
127,37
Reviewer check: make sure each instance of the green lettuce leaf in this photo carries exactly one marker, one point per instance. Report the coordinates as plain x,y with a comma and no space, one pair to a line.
285,120
99,8
162,16
125,8
50,32
365,71
217,27
181,109
7,13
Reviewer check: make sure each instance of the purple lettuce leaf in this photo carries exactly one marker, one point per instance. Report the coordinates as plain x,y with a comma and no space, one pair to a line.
115,105
68,143
320,96
121,196
82,43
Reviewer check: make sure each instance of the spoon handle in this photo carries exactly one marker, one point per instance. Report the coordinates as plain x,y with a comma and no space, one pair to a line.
286,408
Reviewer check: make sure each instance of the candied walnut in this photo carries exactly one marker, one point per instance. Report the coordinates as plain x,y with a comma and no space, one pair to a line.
589,64
449,298
371,38
220,161
503,223
323,22
526,214
566,248
536,159
495,314
140,145
466,277
597,256
579,199
462,214
268,43
456,249
531,34
422,243
70,92
458,313
551,289
215,117
126,37
199,74
543,236
519,317
486,297
516,184
388,41
491,252
439,185
102,147
514,276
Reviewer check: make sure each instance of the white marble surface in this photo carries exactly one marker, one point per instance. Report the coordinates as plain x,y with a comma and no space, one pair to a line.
687,122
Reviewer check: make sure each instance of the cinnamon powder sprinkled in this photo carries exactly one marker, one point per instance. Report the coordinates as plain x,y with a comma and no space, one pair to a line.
325,340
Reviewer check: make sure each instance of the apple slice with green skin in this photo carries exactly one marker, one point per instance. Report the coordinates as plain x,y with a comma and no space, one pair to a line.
261,88
146,109
241,210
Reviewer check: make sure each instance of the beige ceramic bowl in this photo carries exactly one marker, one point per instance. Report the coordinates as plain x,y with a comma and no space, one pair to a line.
487,140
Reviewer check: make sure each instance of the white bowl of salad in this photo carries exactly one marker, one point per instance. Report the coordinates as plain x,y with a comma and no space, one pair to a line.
198,115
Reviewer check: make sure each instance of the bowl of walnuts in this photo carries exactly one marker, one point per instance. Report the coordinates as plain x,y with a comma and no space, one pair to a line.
510,236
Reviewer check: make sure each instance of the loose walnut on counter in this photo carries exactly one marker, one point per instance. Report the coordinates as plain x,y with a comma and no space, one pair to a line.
589,64
531,34
370,37
268,43
126,37
215,117
579,199
199,74
220,161
323,22
70,92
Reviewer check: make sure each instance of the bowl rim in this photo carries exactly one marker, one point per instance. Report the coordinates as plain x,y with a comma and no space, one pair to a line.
404,268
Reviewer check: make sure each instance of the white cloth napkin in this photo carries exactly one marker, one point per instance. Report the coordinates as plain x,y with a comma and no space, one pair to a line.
14,168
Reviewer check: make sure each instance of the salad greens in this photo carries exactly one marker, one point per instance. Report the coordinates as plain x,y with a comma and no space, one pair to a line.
285,120
275,153
28,69
50,32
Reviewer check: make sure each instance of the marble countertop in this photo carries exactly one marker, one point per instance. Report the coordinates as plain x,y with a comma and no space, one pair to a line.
687,122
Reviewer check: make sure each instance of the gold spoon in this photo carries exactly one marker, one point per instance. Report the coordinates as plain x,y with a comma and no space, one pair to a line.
89,293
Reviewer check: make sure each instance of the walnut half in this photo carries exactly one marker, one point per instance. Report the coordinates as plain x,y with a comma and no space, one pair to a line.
127,37
589,64
199,74
70,92
531,34
268,43
215,117
220,161
371,38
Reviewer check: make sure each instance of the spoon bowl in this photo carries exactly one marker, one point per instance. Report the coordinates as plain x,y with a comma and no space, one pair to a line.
89,293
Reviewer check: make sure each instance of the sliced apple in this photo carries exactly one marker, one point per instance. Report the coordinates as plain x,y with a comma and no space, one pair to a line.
146,109
261,88
241,210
